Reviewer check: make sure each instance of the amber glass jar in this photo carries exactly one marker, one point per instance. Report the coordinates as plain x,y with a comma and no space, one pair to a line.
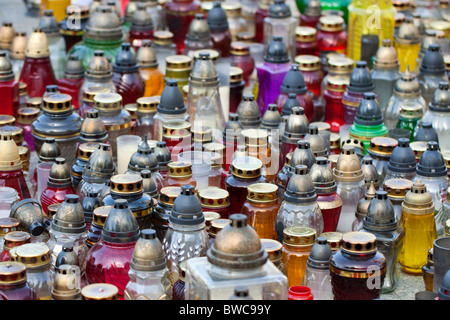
358,270
215,199
244,172
297,244
261,208
180,173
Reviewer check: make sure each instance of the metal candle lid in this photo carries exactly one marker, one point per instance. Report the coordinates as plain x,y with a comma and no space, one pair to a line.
403,159
331,23
334,240
100,214
143,158
363,204
92,128
380,214
276,52
199,29
187,208
300,188
441,99
425,133
217,17
179,169
100,164
262,192
8,225
146,56
320,255
172,100
369,112
64,284
59,176
70,217
162,154
408,33
305,34
204,73
148,104
433,61
120,226
7,34
57,103
15,239
99,67
359,242
370,172
148,254
6,71
299,236
431,163
18,46
316,141
348,166
67,256
293,81
302,155
12,273
142,20
382,147
103,24
37,45
9,157
126,184
214,197
296,126
126,60
322,176
246,167
33,255
100,291
397,188
360,79
248,111
271,118
386,57
237,246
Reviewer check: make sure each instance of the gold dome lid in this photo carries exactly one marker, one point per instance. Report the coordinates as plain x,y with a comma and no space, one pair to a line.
7,34
100,291
418,200
176,129
299,236
147,104
305,34
214,198
100,214
340,65
246,167
239,48
217,225
273,248
6,119
348,166
15,239
33,255
245,36
316,141
108,101
308,62
18,46
163,37
57,103
9,157
6,71
370,172
59,176
359,242
210,216
262,192
8,225
148,254
125,184
178,62
334,239
12,273
167,195
386,56
337,83
236,74
179,169
296,126
34,103
382,147
237,246
37,45
26,115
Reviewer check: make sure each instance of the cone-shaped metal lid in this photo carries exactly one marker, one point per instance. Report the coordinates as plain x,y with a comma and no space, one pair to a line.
418,199
172,100
49,150
37,45
293,81
7,34
48,23
187,209
67,256
146,56
199,29
70,217
348,166
204,72
363,204
300,189
74,68
370,172
120,225
289,104
90,202
162,153
296,126
316,141
248,111
313,9
142,20
380,214
143,158
148,183
93,128
302,155
126,60
433,61
407,85
431,163
237,246
322,176
369,113
277,52
271,118
408,33
6,71
426,132
386,57
217,18
148,254
99,67
59,176
103,24
18,46
279,10
360,79
233,128
441,99
100,165
403,159
320,255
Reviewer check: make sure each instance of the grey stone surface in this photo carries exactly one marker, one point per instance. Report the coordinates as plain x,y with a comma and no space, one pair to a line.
15,11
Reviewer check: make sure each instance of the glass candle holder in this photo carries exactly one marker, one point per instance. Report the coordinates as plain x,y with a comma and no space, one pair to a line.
126,145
